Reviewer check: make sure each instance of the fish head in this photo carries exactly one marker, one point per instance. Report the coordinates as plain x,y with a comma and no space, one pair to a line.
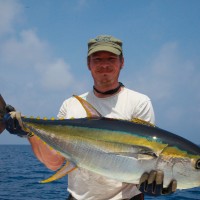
181,166
187,172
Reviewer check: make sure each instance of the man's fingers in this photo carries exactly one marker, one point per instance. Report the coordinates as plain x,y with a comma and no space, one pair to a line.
143,182
158,182
159,177
16,116
155,181
152,177
174,186
171,188
19,119
144,177
152,184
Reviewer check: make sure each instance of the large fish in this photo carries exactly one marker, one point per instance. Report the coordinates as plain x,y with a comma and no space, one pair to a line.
117,149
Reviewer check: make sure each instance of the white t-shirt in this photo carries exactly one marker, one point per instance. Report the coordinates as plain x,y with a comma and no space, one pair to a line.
127,104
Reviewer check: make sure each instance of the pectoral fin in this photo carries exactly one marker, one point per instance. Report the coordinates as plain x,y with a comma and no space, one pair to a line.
142,156
66,169
137,152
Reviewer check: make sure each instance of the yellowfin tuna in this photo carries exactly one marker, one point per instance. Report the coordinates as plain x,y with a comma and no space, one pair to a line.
117,149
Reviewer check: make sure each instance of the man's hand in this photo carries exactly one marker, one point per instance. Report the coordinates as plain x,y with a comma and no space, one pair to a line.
152,184
9,108
14,123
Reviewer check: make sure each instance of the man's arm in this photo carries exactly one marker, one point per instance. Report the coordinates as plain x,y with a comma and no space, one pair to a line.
45,154
48,156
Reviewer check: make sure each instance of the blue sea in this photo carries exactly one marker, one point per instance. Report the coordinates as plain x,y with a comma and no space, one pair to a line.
20,173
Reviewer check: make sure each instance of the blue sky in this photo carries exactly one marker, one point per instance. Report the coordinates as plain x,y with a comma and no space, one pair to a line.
43,49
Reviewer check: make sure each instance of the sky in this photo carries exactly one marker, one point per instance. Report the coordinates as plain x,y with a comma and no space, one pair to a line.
43,51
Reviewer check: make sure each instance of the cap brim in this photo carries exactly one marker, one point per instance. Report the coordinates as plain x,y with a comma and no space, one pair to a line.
104,48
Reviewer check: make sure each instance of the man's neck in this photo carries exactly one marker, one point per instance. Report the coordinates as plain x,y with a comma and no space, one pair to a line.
107,91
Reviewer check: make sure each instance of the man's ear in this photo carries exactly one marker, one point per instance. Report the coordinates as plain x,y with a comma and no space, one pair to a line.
122,63
88,63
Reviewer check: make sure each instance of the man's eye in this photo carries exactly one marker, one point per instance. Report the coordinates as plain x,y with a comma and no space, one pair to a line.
112,59
96,59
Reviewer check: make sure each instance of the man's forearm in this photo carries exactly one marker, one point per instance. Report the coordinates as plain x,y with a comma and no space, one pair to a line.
45,154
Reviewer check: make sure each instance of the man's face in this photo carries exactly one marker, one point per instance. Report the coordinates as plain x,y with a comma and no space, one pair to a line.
105,67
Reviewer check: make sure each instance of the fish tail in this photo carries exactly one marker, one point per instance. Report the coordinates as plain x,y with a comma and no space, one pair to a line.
2,113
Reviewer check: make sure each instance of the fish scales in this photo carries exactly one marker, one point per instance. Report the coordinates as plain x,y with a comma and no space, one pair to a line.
118,149
111,147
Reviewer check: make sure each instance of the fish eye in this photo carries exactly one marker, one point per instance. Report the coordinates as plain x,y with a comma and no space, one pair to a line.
197,165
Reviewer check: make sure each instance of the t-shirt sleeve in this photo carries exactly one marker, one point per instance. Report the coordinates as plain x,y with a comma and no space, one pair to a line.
63,111
145,111
71,108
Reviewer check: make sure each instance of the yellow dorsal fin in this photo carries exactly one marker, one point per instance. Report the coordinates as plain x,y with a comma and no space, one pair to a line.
90,110
66,169
141,121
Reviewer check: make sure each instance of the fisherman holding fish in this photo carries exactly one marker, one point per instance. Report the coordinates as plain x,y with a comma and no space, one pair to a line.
112,100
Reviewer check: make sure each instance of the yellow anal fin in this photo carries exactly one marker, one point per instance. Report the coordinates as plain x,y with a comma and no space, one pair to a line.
90,110
141,121
66,169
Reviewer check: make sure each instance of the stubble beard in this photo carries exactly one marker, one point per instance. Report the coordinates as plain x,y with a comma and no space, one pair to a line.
106,81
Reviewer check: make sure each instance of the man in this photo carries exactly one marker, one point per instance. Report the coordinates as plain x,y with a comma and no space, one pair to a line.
113,100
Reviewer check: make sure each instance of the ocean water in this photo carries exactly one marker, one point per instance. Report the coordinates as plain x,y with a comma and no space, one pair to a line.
20,173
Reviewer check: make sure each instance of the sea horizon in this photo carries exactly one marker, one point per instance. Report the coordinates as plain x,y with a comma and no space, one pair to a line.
21,172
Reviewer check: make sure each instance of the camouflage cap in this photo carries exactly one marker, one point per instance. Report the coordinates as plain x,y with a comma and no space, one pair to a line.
105,43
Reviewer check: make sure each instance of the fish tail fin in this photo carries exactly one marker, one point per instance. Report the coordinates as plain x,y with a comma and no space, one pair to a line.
2,113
